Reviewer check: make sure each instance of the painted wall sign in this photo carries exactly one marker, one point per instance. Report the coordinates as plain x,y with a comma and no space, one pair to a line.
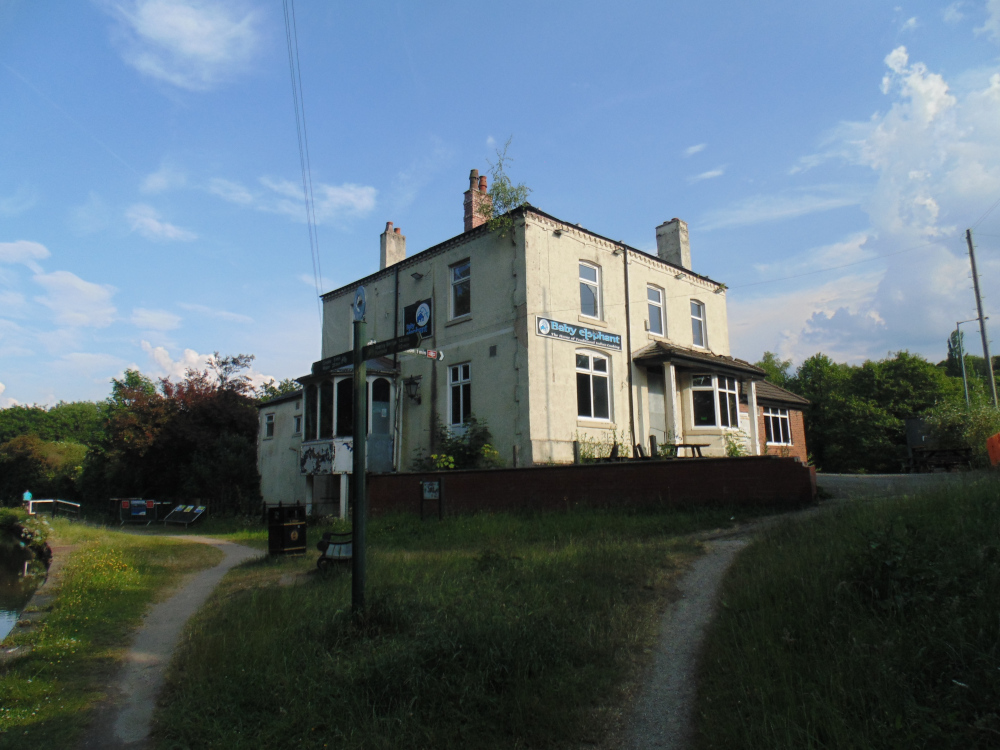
418,318
577,334
316,458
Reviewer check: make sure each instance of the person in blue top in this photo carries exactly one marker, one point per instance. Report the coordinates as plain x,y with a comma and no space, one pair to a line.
27,496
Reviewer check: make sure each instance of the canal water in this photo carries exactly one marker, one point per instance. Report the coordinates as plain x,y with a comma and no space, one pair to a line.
20,575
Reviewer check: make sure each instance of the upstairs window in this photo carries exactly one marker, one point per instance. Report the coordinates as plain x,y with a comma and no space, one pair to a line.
698,333
461,289
268,425
590,290
592,397
310,412
298,424
460,383
654,303
776,427
345,407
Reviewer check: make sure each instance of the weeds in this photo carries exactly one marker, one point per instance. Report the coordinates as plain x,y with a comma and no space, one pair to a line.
872,627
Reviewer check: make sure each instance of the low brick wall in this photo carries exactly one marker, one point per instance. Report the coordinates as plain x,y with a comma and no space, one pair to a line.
756,480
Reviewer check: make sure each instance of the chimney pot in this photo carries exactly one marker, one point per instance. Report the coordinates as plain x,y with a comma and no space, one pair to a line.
475,197
392,246
672,243
473,179
482,184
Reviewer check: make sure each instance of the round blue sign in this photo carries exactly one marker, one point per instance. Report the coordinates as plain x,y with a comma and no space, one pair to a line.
543,326
423,314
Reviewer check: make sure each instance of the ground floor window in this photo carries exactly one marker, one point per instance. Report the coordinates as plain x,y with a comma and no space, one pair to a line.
592,397
776,427
460,382
715,401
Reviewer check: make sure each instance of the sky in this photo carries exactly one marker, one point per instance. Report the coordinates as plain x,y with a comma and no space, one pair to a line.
828,159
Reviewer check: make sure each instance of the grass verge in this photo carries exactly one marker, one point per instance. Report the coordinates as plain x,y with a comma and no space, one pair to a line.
872,627
107,583
488,631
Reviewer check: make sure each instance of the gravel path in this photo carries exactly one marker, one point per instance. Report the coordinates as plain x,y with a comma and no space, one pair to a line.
661,714
124,721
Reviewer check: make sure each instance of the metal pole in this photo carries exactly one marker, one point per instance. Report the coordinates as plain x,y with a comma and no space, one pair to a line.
360,516
982,320
961,357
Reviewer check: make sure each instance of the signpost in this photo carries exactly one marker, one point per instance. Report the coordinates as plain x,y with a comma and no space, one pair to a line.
359,357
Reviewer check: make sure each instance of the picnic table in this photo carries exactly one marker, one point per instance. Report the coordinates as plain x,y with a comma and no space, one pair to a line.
694,449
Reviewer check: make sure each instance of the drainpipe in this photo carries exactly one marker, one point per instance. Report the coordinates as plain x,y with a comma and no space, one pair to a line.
628,347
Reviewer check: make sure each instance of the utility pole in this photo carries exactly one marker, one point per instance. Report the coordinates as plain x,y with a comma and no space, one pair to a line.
982,319
359,519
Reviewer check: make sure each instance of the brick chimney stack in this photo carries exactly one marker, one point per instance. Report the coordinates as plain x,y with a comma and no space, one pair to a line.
475,197
672,244
392,246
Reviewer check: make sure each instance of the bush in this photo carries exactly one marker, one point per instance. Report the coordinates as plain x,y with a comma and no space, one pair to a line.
468,448
955,425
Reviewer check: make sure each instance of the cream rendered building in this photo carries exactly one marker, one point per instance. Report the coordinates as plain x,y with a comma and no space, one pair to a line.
551,334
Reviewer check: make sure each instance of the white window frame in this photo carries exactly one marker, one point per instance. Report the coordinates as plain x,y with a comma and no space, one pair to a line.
728,387
268,426
779,416
655,310
702,319
590,371
459,376
297,423
455,282
596,285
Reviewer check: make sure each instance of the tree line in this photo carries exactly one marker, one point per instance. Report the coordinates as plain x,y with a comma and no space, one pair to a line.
195,439
856,418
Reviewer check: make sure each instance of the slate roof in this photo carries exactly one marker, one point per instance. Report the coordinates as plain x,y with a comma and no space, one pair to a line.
661,351
775,393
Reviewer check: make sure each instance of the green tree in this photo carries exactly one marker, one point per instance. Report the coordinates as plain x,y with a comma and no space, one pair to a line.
778,370
275,388
49,469
504,195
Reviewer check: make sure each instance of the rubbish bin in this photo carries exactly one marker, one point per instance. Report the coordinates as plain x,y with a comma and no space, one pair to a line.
286,529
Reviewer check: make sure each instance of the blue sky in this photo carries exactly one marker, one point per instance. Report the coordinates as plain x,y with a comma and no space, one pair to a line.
150,203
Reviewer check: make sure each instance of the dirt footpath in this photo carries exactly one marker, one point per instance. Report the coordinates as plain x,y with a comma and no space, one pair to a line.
124,720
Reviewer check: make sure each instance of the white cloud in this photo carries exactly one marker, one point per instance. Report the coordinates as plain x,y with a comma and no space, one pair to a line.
848,251
231,191
333,202
75,302
89,217
711,174
192,44
325,285
992,25
24,252
214,313
789,204
6,403
934,157
909,24
22,200
953,13
154,320
167,177
91,364
491,142
692,150
13,304
167,366
146,221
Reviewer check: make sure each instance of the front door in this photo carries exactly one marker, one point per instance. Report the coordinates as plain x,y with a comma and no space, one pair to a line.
657,389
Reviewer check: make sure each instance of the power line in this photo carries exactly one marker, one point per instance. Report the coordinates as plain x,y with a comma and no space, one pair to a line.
988,212
295,70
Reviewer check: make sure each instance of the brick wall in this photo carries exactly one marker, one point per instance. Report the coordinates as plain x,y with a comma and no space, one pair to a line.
798,447
756,480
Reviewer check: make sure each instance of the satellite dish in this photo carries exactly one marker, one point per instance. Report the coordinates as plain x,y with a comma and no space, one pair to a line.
359,303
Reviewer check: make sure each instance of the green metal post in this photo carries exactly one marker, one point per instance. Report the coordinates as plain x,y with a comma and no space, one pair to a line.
359,518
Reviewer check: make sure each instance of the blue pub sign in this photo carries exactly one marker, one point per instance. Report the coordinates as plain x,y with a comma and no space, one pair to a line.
578,334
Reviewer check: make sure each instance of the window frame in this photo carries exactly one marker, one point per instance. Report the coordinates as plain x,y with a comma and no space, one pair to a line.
463,387
454,283
732,401
590,372
269,426
701,319
598,295
650,305
779,415
297,424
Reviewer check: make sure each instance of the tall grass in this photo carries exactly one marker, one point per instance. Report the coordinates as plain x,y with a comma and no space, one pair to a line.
106,586
875,627
498,631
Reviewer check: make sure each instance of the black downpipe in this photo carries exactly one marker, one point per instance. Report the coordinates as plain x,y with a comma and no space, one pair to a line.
628,348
